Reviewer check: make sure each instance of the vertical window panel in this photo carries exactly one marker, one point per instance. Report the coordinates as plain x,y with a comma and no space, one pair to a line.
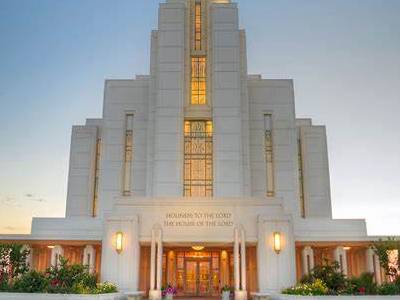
96,179
301,180
269,156
199,81
128,154
198,156
197,26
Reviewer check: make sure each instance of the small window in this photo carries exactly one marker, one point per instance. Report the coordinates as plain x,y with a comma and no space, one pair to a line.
269,156
128,154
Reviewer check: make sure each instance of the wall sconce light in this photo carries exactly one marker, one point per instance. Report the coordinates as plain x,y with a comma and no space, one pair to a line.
277,242
118,242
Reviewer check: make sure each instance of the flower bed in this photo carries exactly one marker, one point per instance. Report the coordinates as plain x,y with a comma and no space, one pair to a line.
328,280
65,278
26,296
293,297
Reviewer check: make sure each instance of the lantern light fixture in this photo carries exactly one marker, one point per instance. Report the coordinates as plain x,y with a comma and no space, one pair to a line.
277,242
119,241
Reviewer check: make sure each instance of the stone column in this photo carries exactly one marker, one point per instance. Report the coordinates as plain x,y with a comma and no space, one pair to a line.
121,267
152,260
159,260
307,255
243,258
156,264
56,253
373,265
242,293
236,260
261,256
278,269
89,258
341,257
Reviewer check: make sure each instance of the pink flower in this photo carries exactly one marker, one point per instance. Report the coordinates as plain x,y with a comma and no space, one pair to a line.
55,282
361,290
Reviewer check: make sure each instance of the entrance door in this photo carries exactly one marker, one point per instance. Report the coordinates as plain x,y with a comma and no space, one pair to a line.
198,278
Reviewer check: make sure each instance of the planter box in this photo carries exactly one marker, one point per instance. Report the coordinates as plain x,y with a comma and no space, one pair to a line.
27,296
292,297
264,296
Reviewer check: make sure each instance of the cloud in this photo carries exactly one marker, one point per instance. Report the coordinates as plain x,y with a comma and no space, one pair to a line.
15,229
32,197
10,228
39,200
10,201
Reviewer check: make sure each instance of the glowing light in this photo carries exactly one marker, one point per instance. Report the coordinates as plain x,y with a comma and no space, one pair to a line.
277,242
346,248
118,242
198,248
51,247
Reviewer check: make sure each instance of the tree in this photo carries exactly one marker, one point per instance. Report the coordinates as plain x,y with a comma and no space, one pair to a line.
382,249
13,262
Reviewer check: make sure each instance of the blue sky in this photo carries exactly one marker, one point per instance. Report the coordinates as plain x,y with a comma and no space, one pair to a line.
343,55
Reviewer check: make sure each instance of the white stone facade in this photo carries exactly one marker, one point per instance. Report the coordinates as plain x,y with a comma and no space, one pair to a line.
237,105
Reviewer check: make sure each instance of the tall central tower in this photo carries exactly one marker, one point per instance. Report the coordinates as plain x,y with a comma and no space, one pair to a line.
198,61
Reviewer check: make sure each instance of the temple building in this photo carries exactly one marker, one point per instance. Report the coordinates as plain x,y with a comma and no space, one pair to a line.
199,175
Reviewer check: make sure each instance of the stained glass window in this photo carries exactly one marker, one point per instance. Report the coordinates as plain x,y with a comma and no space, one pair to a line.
198,167
197,26
199,80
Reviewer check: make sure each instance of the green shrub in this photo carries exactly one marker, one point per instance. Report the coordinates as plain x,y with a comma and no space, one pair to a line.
389,288
67,278
12,264
316,288
13,259
363,285
329,274
63,279
3,281
382,249
31,282
106,288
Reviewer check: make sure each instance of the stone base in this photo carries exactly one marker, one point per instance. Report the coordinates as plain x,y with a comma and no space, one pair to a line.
240,295
155,295
134,295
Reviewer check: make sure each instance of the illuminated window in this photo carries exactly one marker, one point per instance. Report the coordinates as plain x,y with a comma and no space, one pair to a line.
128,154
96,179
301,182
269,157
197,26
199,78
198,169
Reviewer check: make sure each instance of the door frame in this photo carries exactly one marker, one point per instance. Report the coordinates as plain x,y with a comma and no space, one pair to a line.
198,261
